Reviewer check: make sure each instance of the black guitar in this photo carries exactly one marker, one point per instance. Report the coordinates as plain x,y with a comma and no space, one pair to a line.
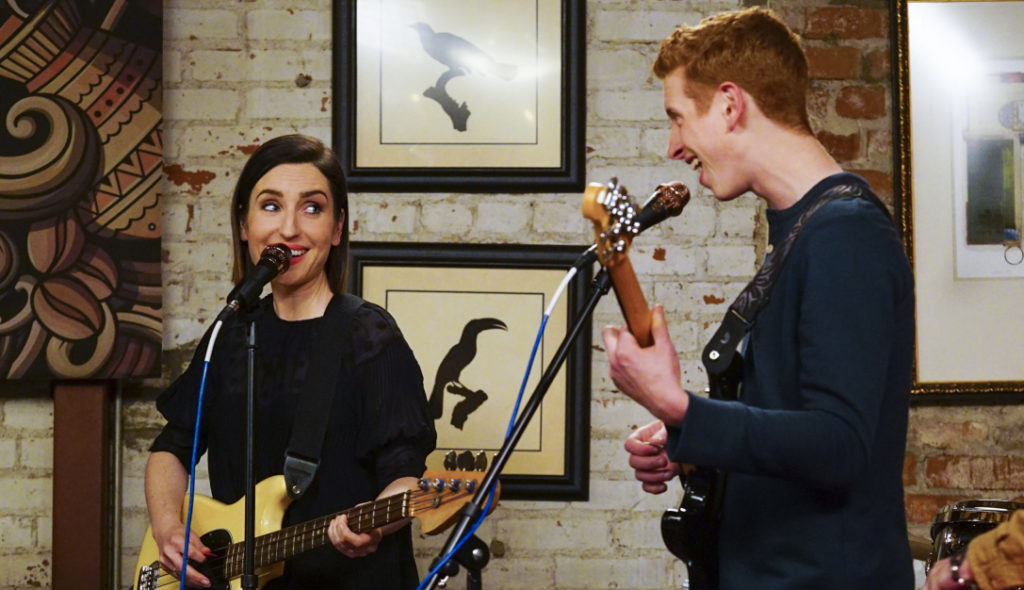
691,531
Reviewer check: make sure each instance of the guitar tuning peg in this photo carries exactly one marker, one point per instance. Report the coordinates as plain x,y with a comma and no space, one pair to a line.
450,462
454,484
480,461
465,461
439,485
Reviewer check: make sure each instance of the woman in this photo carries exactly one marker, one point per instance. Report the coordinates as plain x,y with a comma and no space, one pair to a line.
292,192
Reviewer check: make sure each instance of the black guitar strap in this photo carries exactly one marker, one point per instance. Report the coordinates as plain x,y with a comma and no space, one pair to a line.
720,352
310,425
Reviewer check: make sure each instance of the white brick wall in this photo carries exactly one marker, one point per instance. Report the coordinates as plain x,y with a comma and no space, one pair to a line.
229,73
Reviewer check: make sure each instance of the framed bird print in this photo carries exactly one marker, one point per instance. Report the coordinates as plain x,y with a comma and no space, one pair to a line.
471,315
460,95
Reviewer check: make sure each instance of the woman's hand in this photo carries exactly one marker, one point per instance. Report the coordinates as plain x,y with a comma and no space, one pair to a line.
353,544
170,541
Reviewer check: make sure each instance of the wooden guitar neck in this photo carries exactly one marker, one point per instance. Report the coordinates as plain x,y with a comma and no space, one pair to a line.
616,221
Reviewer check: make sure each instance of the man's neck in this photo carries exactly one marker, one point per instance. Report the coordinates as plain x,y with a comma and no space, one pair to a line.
788,165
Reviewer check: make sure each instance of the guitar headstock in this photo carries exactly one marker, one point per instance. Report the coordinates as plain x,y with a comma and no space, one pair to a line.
614,214
617,220
441,494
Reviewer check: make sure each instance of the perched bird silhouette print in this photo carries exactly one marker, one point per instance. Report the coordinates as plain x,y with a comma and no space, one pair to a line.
449,373
461,58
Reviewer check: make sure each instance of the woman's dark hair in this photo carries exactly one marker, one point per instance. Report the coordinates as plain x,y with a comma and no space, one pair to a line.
292,149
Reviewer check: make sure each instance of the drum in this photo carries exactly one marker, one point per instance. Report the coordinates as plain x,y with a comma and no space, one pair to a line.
956,524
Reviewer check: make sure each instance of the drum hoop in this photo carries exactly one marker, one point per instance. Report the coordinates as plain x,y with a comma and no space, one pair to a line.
976,511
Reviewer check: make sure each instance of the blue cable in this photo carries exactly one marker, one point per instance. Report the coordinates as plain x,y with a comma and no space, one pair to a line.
508,431
195,447
192,479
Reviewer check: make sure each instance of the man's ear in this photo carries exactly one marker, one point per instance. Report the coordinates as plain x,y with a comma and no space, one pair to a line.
734,104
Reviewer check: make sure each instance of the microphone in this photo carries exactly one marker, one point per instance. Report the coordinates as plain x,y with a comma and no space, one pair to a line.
274,260
667,200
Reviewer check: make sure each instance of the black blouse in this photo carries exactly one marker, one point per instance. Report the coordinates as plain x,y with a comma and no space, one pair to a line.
379,430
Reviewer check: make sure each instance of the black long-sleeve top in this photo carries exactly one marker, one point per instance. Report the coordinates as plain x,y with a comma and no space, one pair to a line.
379,430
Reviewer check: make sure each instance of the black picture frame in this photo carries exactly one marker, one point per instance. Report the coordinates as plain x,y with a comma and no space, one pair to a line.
565,175
376,266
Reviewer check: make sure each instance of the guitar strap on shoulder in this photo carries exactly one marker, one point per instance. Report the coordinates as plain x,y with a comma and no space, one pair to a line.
302,458
719,353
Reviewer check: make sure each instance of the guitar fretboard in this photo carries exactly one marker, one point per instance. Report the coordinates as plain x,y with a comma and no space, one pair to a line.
280,545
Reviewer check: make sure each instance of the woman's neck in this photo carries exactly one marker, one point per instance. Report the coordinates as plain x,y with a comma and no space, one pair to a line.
304,302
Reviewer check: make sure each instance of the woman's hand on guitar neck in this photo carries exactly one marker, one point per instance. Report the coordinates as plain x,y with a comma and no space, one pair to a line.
353,544
350,543
648,375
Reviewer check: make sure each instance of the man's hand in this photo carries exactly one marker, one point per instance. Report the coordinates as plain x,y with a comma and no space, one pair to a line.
648,375
647,457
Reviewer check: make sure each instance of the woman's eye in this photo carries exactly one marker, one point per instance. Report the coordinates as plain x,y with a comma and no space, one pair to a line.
313,208
269,206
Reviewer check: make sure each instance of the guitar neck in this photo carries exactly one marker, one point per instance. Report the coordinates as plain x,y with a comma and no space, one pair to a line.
631,300
287,542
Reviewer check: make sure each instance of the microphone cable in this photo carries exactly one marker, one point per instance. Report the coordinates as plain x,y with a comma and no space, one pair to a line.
195,448
508,431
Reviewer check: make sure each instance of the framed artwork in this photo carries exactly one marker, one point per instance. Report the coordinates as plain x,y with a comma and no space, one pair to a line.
959,106
471,315
81,183
460,95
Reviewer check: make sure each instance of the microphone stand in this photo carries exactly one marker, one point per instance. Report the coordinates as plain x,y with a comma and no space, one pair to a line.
472,510
249,578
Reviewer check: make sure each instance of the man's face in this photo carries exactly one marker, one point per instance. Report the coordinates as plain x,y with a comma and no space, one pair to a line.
700,138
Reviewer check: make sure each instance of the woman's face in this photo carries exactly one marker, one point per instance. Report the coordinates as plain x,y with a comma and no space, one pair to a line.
292,205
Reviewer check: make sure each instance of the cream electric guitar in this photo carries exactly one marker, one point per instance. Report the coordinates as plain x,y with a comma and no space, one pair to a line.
435,504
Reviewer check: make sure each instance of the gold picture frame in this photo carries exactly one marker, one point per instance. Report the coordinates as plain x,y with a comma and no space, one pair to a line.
968,329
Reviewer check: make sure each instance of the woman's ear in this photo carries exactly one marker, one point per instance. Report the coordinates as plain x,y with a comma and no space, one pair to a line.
242,232
339,229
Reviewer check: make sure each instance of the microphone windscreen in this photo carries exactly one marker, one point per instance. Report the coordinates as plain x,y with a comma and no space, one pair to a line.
667,201
278,256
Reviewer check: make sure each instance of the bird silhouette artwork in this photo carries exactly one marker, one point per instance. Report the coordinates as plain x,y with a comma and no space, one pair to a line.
461,58
449,373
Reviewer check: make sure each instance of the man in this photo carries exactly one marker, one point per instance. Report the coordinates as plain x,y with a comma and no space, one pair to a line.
813,449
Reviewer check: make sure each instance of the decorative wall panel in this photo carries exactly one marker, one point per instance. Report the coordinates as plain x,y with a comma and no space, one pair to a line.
81,158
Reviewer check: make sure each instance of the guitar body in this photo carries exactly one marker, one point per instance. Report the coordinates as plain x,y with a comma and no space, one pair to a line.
219,525
690,532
